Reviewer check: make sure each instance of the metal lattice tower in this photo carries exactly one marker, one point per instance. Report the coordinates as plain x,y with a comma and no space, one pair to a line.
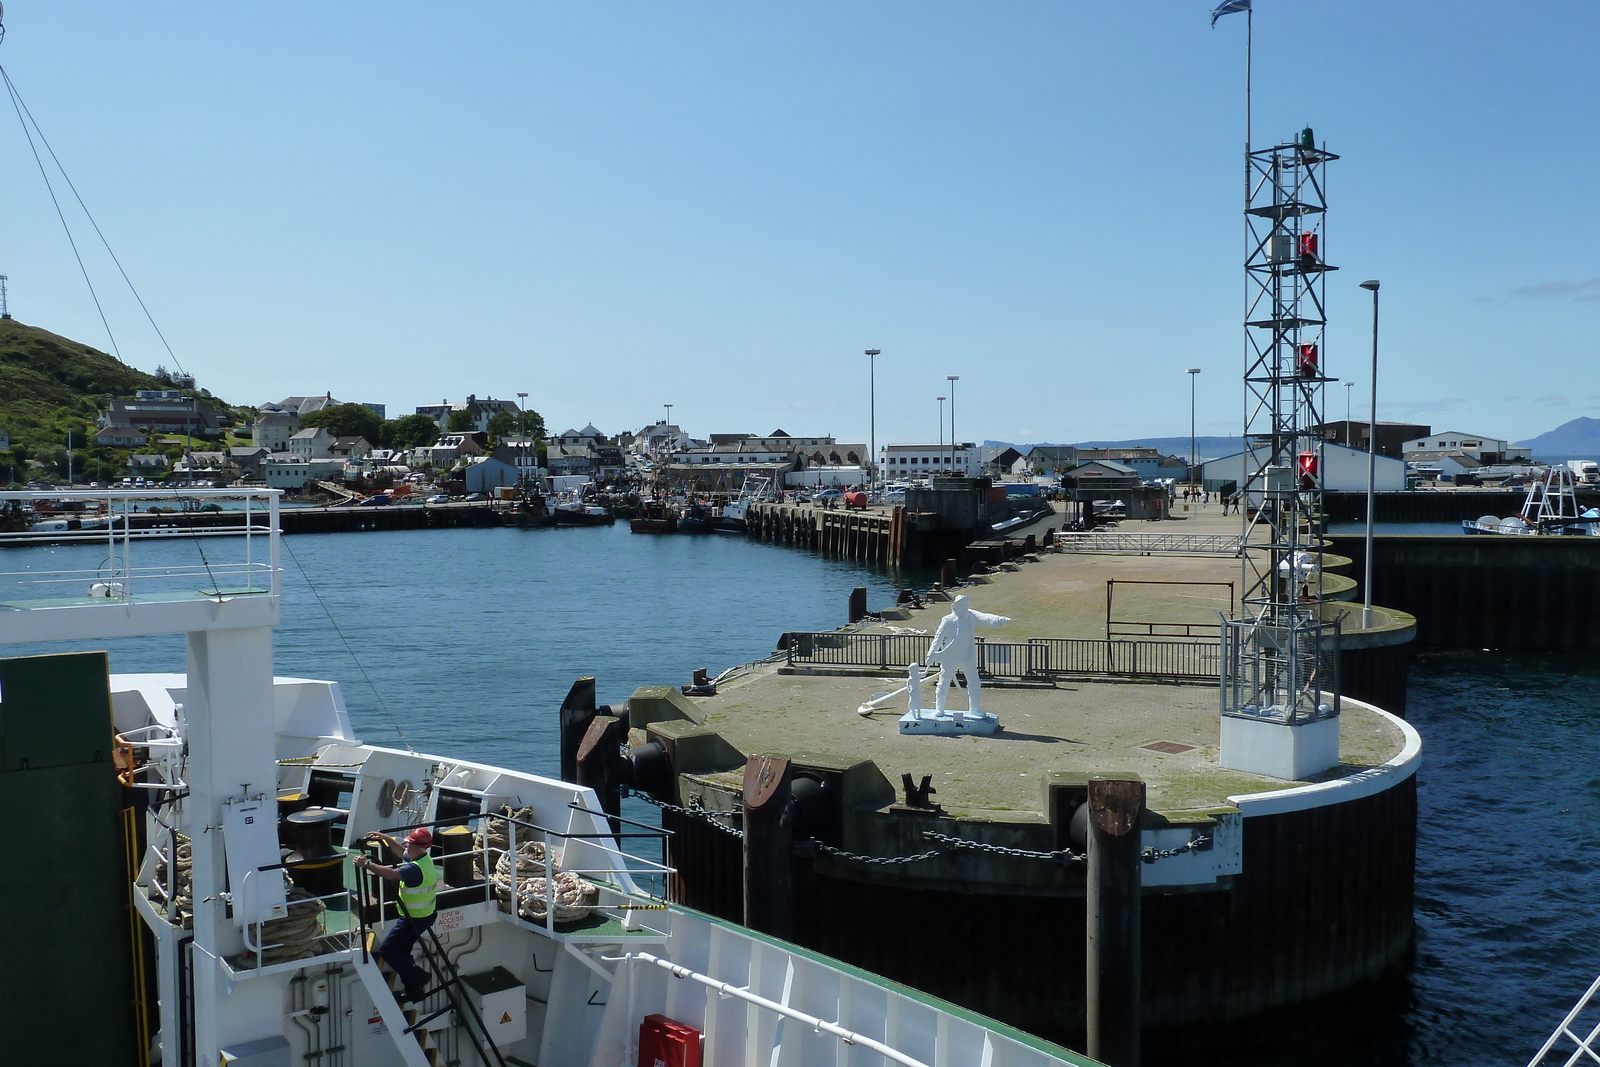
1282,656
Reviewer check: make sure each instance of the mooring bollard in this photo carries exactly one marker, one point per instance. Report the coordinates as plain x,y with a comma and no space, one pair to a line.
858,603
947,574
576,712
1116,805
768,841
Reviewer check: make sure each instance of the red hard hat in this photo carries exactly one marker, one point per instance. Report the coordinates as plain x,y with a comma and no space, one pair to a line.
420,836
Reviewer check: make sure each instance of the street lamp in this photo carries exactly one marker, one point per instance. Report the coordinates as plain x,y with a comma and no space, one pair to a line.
941,440
1347,387
952,379
1192,372
872,410
1372,458
522,410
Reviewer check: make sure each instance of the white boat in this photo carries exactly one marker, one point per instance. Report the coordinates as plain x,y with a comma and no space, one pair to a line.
1550,507
733,517
554,943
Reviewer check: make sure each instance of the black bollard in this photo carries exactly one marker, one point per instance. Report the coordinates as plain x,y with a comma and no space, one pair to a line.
858,603
768,841
1116,805
576,712
947,574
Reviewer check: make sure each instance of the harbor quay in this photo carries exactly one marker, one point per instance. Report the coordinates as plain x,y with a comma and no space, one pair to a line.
957,864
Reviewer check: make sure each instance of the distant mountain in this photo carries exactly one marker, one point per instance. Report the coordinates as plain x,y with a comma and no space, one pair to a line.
1580,437
1206,447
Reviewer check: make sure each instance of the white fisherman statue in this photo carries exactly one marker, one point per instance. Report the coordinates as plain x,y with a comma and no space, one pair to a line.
955,648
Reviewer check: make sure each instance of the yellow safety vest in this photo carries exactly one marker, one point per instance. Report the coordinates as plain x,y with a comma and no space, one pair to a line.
418,901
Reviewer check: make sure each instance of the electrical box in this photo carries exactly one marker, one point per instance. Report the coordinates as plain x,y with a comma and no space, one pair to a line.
502,1003
1281,248
250,837
267,1052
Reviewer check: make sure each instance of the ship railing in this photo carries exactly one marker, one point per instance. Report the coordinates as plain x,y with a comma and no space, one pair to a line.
307,946
1038,657
596,856
184,553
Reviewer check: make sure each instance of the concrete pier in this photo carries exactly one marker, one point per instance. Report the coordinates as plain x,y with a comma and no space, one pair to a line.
953,863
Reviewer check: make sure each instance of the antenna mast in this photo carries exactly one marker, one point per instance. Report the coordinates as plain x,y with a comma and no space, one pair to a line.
5,306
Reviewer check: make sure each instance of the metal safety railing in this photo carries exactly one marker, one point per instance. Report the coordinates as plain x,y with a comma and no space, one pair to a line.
1037,657
1138,544
233,533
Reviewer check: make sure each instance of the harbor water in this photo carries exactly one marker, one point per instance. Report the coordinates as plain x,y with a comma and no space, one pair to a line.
470,638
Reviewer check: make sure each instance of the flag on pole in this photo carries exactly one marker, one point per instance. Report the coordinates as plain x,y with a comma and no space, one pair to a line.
1228,7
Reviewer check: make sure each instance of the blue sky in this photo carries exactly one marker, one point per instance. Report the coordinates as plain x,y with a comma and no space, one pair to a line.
613,206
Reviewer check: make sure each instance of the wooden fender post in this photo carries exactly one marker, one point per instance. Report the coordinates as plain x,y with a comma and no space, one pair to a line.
1116,804
600,763
768,841
576,712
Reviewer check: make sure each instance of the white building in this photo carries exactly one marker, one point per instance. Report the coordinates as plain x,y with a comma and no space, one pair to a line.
925,460
313,443
293,472
1479,447
1341,469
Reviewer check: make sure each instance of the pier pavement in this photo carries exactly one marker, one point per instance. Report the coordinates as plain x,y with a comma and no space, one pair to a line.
1070,727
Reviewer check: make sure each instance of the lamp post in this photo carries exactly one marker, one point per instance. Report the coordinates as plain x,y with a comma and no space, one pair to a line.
1372,458
952,379
941,440
1192,372
1347,387
872,411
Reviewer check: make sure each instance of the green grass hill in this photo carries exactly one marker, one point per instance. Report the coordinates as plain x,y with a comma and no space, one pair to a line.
49,383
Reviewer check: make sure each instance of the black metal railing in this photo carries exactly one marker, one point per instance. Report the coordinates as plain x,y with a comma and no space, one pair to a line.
1039,657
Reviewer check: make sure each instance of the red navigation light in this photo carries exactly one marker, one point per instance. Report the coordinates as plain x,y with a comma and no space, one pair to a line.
1308,247
1307,463
1306,360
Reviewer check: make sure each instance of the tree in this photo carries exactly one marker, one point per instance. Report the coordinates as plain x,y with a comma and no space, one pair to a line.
409,431
346,420
461,421
531,424
502,424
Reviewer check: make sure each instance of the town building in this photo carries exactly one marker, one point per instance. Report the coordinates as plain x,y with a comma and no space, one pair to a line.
479,409
1001,461
349,447
903,461
312,443
120,437
1392,436
1486,450
1340,469
164,411
1051,459
248,458
295,472
148,464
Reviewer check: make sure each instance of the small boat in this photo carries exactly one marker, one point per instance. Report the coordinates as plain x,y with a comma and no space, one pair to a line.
696,519
1550,508
732,519
654,517
572,511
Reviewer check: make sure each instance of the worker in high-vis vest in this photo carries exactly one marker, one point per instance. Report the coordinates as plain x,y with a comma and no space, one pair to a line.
418,876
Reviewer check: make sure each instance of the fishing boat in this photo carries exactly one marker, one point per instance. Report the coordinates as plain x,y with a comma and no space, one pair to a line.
232,809
1549,508
573,510
734,516
654,517
696,519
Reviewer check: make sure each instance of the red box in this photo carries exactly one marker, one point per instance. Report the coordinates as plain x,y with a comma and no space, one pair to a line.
664,1043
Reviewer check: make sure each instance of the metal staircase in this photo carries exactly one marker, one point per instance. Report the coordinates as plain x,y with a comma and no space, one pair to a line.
412,1018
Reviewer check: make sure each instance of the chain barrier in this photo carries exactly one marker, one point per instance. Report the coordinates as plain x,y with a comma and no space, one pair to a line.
698,814
880,861
1060,855
1194,844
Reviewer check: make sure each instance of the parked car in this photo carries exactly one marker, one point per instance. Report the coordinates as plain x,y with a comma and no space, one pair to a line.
439,498
827,494
375,501
476,496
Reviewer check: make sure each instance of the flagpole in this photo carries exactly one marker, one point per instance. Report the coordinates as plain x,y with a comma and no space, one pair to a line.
1249,29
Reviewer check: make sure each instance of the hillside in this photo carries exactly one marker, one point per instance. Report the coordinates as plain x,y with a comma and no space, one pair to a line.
1580,437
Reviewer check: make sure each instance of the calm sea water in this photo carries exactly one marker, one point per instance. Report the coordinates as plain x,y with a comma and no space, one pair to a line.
472,637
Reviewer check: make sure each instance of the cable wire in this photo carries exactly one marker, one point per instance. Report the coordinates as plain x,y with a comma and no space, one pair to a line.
16,103
17,97
347,646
